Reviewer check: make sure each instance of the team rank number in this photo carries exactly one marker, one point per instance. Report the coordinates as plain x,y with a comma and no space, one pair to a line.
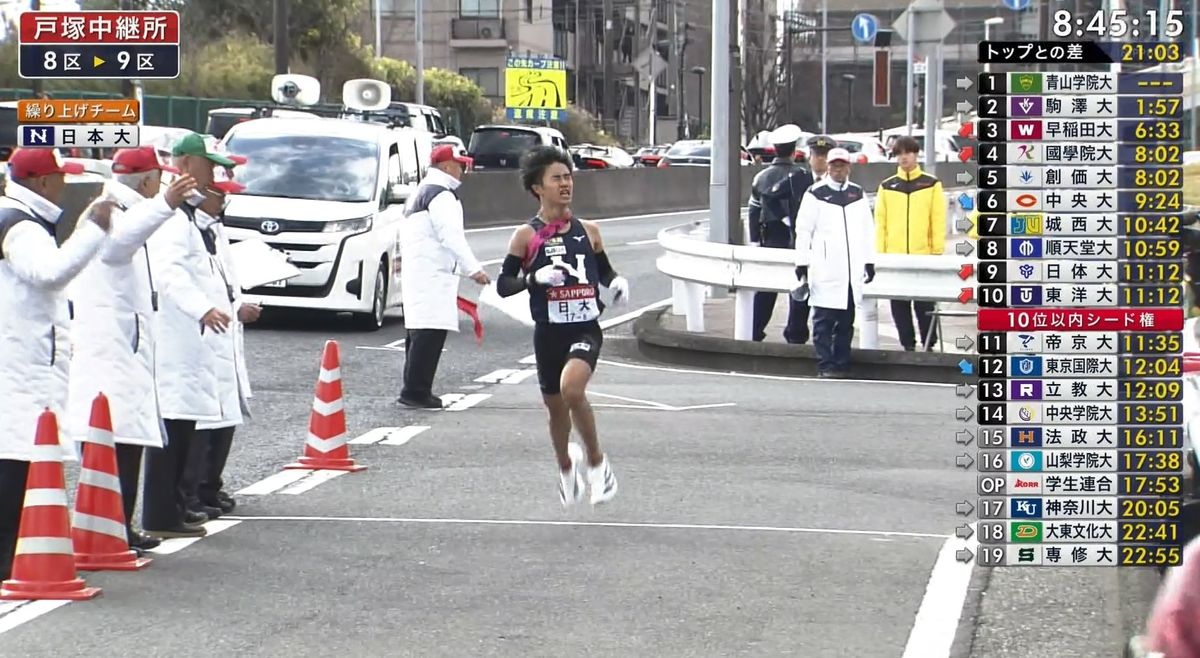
1128,556
1151,271
1150,247
1126,436
1130,342
1016,223
1138,366
1129,390
993,153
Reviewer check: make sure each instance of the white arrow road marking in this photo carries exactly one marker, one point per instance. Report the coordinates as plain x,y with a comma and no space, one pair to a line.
314,480
273,483
176,544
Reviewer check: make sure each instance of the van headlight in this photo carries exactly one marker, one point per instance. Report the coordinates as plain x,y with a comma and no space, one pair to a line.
360,225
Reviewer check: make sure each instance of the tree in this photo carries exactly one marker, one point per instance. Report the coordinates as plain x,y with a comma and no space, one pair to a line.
761,70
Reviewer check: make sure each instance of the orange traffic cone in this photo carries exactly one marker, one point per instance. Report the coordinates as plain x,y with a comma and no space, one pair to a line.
101,542
44,563
326,446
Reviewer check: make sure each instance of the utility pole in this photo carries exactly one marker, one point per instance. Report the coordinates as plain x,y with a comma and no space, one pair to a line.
824,66
680,42
725,225
378,30
282,47
420,34
909,78
607,47
636,135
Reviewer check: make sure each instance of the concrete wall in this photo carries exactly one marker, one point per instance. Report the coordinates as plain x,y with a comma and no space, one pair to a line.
497,198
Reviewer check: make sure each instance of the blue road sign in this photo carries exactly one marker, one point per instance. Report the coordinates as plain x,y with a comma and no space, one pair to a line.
1016,5
864,27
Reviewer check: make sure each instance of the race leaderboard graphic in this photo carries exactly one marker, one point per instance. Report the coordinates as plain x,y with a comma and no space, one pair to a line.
1078,425
95,45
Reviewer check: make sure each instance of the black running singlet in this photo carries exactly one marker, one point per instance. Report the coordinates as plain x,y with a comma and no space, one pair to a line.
577,300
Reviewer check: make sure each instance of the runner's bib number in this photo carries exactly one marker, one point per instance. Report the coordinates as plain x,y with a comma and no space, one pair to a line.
570,304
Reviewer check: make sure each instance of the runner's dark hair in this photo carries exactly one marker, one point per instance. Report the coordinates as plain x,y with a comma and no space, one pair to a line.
535,162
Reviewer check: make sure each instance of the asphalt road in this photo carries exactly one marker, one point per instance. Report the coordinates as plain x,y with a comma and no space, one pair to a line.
756,516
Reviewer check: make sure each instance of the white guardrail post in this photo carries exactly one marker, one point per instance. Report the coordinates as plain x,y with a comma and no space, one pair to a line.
694,264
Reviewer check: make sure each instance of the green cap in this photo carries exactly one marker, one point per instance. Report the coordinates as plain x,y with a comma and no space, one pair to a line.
193,144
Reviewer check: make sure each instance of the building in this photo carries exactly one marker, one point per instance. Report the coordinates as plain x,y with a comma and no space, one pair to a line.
849,68
474,38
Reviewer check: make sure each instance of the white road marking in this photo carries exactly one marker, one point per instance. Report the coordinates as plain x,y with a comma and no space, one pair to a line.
467,401
311,482
176,544
519,376
371,436
652,406
937,619
530,360
273,483
27,611
403,435
645,403
633,315
496,376
487,229
748,375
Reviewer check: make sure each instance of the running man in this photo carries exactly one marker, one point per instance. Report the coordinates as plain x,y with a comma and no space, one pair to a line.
560,260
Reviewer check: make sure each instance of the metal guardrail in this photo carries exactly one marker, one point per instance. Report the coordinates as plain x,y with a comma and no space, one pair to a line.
694,265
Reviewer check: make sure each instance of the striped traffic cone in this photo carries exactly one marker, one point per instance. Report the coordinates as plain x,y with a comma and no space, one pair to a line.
100,534
326,446
44,563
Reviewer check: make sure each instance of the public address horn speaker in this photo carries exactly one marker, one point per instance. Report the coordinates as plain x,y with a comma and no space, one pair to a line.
292,89
366,95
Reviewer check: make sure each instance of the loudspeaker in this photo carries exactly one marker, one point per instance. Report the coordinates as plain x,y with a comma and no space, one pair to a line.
366,95
883,38
292,89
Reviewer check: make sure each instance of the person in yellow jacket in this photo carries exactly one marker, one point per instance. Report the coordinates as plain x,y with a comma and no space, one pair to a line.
910,218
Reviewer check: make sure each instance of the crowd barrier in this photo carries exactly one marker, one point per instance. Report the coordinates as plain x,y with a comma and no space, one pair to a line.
696,265
498,198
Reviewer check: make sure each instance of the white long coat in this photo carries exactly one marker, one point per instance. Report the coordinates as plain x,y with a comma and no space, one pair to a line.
228,349
34,320
434,254
113,345
189,286
835,238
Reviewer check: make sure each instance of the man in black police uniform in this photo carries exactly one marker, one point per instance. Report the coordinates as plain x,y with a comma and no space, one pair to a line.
818,155
774,201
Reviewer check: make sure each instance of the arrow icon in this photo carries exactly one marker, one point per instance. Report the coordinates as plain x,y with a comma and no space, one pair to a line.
964,178
964,437
1026,176
966,295
965,508
964,342
966,367
966,153
966,271
1026,105
963,106
964,414
964,461
964,555
96,62
966,201
964,224
963,531
964,390
963,82
966,129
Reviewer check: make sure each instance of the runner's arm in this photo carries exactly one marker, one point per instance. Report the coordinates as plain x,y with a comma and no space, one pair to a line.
512,280
607,273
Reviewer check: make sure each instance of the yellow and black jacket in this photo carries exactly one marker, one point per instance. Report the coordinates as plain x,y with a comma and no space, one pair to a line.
910,214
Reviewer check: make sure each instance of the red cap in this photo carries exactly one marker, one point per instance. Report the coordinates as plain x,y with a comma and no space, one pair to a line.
139,160
223,182
35,162
237,159
448,152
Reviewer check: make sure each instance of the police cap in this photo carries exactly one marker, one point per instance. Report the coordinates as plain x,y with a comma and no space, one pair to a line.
786,134
821,143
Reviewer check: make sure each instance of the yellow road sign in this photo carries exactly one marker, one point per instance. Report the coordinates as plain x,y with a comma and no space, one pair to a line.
535,88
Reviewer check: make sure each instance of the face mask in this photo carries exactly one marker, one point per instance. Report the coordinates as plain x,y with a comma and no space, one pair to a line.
195,198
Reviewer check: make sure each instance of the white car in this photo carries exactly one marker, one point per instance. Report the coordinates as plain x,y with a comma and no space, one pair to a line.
328,193
864,148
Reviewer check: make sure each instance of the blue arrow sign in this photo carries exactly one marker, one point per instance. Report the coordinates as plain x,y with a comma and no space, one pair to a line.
864,27
1016,5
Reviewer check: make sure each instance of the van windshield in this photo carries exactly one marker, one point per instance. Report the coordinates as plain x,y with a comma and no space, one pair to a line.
502,141
219,123
316,167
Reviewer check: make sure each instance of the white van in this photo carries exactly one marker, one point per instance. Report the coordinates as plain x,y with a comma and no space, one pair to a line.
221,119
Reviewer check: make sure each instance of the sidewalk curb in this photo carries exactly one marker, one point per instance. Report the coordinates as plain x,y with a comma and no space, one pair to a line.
717,353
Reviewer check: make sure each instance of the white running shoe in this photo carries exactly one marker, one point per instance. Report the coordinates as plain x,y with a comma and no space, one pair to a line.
571,486
602,481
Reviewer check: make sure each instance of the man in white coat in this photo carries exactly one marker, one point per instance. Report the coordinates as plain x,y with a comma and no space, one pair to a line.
34,315
194,303
114,302
434,253
835,256
213,440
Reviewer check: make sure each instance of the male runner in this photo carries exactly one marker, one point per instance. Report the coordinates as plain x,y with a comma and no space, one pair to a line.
560,260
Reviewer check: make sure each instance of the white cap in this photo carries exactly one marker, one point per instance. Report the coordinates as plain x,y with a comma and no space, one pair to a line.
786,134
838,154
